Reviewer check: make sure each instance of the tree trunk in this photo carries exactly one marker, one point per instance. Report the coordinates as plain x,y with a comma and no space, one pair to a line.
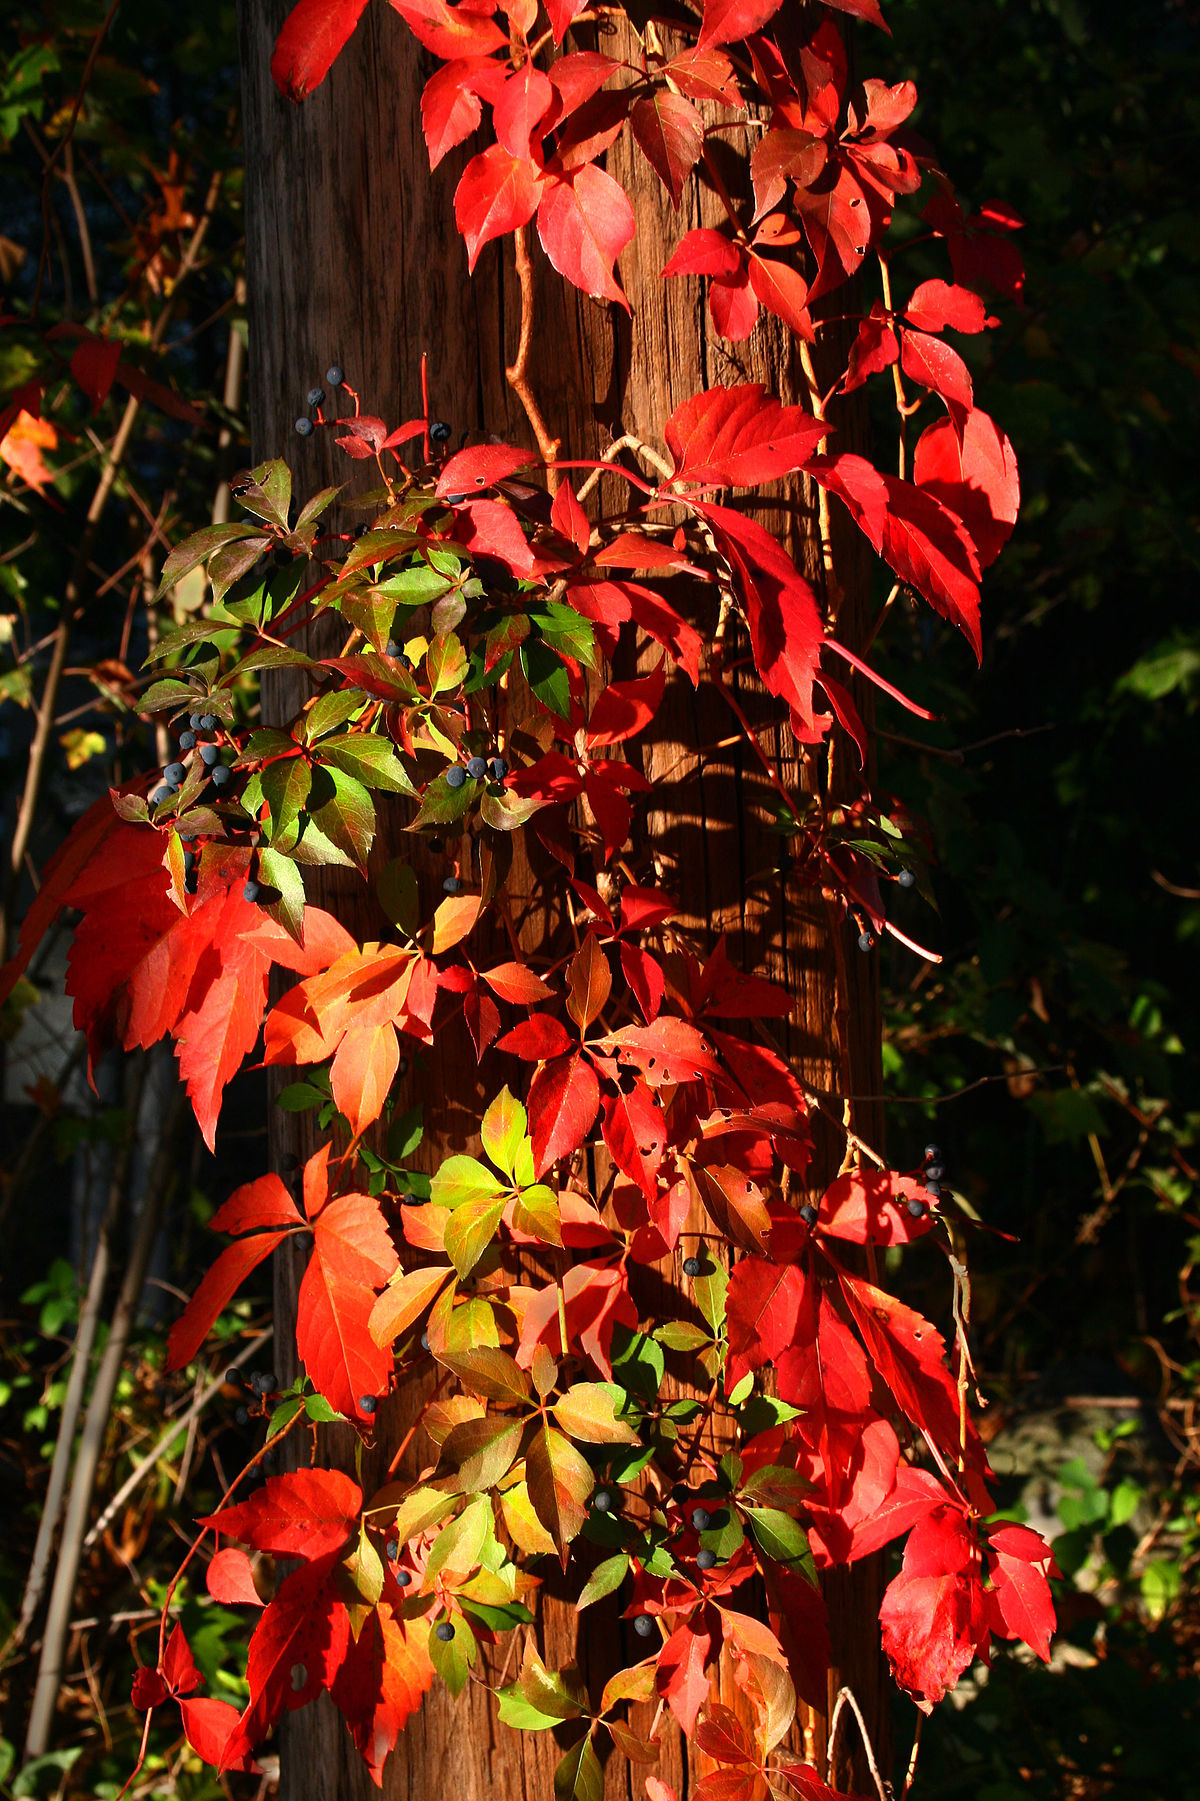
353,258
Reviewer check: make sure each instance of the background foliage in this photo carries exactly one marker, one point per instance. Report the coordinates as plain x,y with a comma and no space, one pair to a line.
1062,865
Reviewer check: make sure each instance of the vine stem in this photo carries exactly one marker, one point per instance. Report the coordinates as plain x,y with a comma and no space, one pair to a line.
846,1698
902,402
516,373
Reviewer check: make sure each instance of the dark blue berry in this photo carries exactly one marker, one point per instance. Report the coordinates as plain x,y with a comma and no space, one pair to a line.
208,722
692,1266
476,768
393,1550
643,1625
808,1214
367,1404
251,892
241,1416
391,648
209,754
934,1189
315,396
439,431
456,775
403,1577
917,1208
602,1500
220,775
160,794
906,878
334,376
499,769
700,1519
190,860
196,722
451,885
444,1630
174,773
424,1341
706,1559
304,428
865,941
187,740
932,1153
188,837
934,1172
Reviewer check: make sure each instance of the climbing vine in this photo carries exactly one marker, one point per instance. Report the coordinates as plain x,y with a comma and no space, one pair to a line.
785,1413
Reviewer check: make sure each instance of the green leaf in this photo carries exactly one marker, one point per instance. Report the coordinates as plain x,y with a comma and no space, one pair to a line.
605,1579
313,509
267,492
492,1373
470,1230
588,1411
441,804
416,587
547,677
327,713
458,1546
579,1776
678,1335
566,631
197,549
481,1451
504,1133
233,561
537,1211
445,663
319,1410
461,1179
371,760
781,1538
279,872
300,1097
169,694
347,817
405,1134
560,1480
637,1362
285,787
453,1659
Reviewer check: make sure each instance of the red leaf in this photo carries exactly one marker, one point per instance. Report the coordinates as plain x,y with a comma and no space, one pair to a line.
739,437
576,78
178,1665
1021,1605
353,1257
909,1355
935,364
645,976
762,1309
256,1206
519,107
496,192
704,252
915,1493
490,529
670,134
363,1071
450,103
450,31
837,222
733,303
480,466
635,1133
561,13
537,1038
564,1099
216,1290
725,21
681,1677
516,982
94,366
869,1206
309,1514
781,610
609,603
862,9
704,75
973,473
296,1650
209,1726
584,222
314,34
781,156
782,290
668,1052
874,349
230,1578
721,1735
381,1682
938,304
569,518
59,876
625,708
934,1614
149,1690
